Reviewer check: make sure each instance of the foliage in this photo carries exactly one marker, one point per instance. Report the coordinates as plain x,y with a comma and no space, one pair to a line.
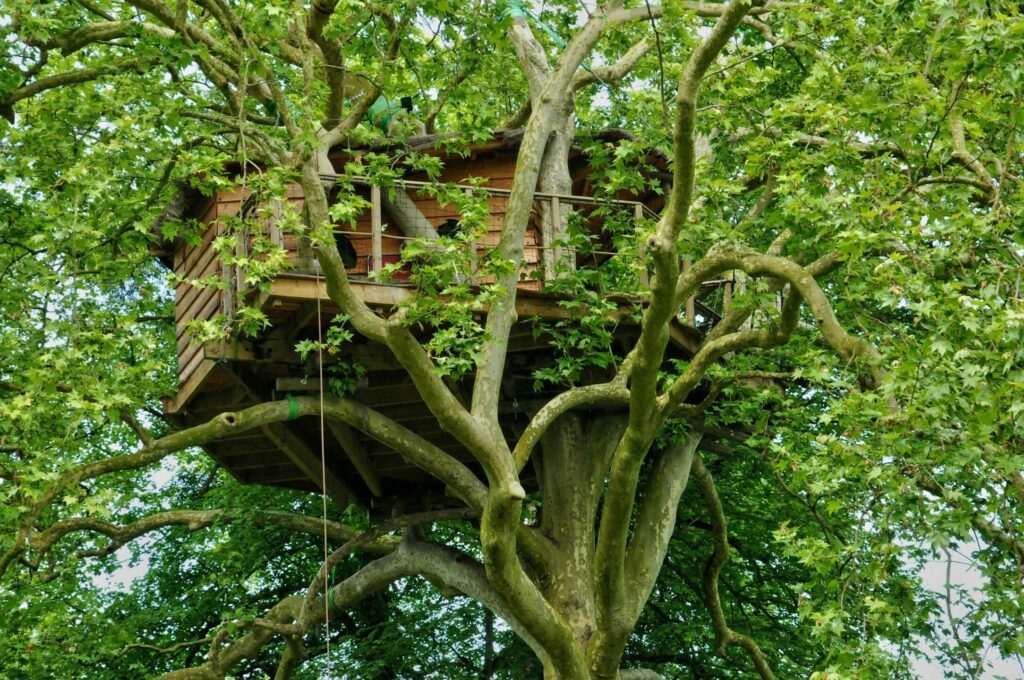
876,147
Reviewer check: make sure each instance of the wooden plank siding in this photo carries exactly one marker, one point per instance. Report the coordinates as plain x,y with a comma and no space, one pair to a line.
199,261
193,262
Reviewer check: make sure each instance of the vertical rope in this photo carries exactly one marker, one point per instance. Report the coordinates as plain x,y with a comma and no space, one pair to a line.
323,466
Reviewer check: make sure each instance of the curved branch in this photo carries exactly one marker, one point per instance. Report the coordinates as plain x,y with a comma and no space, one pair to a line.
615,72
589,395
447,566
417,450
701,9
724,636
802,281
188,30
73,78
986,184
530,53
73,41
246,647
733,342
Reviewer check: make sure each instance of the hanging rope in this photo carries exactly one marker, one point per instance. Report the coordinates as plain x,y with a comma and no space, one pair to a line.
328,597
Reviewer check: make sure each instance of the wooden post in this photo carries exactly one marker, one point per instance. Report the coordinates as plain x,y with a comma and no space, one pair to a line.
547,253
274,232
641,249
308,461
377,258
691,315
474,255
352,447
241,251
556,234
227,272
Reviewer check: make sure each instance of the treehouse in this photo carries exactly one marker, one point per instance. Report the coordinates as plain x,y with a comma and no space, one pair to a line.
230,375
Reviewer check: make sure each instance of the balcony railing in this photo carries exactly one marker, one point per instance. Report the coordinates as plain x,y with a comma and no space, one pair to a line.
412,213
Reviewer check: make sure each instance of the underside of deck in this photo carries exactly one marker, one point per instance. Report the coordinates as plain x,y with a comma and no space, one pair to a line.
232,376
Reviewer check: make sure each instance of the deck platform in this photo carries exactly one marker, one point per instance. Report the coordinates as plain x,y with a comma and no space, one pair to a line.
360,469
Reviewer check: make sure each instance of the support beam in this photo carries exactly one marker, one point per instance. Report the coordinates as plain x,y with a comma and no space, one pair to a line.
306,312
189,387
297,384
309,462
353,448
372,356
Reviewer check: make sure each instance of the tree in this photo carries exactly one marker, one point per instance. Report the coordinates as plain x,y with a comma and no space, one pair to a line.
856,410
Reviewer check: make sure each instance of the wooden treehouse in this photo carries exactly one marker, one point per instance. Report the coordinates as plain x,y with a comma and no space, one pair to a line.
219,376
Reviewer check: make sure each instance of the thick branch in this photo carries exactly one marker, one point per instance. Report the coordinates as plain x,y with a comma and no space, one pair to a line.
801,280
589,395
457,476
73,78
617,71
446,566
969,161
656,520
643,421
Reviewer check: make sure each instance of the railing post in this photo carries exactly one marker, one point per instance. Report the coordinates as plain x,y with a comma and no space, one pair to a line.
474,256
547,253
641,249
377,258
274,232
556,232
227,271
241,252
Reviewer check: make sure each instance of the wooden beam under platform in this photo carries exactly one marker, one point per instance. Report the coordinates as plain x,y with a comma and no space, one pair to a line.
353,448
310,463
372,356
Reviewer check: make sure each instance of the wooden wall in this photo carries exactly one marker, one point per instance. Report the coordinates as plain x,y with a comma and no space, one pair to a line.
199,261
192,302
499,173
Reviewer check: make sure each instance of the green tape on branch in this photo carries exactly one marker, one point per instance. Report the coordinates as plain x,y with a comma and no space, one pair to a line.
330,600
293,407
332,581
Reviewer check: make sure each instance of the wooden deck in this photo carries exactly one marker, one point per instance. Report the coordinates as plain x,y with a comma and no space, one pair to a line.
247,372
